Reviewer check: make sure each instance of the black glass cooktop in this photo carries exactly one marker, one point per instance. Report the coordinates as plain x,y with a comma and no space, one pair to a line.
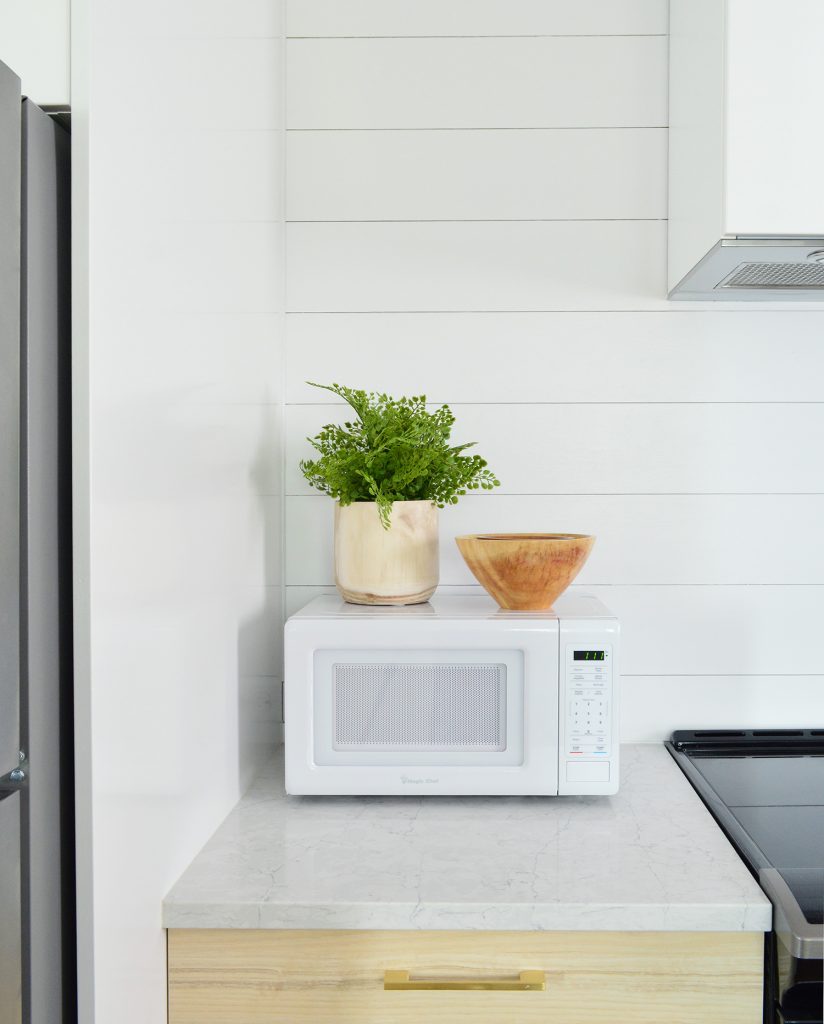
772,784
779,801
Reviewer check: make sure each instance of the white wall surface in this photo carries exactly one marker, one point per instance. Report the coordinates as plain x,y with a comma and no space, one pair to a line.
177,114
34,42
476,204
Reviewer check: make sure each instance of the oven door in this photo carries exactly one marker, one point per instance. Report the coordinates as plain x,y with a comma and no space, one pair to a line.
471,712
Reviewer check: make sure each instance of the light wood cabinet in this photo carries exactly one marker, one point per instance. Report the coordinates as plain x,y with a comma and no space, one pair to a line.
337,977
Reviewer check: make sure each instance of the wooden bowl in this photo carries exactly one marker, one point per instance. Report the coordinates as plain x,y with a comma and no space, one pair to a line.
525,571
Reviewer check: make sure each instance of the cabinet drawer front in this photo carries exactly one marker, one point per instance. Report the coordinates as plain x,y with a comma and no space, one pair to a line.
337,977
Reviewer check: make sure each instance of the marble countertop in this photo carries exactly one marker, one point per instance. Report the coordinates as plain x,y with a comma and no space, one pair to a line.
649,858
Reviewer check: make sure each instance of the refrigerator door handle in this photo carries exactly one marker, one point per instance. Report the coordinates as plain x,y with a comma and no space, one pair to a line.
13,782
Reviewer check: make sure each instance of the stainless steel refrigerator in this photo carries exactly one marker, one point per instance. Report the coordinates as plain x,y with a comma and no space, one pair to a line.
37,946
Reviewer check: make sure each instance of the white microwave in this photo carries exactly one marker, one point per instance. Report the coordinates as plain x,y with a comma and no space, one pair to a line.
455,696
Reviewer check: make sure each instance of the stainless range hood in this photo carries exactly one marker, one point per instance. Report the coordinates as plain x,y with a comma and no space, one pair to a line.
746,192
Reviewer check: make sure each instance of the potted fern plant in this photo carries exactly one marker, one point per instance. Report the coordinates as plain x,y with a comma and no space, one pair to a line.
390,469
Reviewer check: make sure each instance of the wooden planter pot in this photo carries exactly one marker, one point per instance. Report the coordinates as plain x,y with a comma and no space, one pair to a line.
395,566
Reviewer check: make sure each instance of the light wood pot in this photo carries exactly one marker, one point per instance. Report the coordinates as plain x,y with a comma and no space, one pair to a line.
394,566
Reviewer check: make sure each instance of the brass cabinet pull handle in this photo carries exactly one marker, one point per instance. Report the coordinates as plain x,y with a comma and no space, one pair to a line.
527,981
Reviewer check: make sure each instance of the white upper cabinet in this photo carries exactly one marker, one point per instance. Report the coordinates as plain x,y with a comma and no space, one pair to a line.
746,206
774,145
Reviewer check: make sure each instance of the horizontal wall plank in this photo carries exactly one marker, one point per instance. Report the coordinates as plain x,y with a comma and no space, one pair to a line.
663,539
608,265
475,17
653,707
470,266
672,356
572,82
709,630
702,631
623,449
477,175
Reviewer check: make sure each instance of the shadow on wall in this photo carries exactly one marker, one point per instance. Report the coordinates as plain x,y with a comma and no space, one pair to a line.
260,634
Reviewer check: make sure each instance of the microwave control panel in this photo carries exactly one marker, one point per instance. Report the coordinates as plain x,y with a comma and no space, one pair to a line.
589,702
588,756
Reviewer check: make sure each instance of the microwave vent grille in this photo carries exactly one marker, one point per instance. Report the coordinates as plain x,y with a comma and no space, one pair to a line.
380,706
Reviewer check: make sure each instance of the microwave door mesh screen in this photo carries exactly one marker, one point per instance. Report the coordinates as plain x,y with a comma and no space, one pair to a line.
397,707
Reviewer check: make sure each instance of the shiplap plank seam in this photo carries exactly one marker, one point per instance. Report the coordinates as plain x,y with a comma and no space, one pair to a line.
495,128
729,309
471,220
543,80
621,494
498,35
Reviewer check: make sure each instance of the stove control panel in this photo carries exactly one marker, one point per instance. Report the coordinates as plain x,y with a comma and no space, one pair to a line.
589,742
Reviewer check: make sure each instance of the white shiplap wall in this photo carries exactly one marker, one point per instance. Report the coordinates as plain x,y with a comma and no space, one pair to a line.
476,204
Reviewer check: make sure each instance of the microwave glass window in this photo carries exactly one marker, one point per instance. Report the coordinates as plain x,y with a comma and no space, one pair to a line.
589,655
408,706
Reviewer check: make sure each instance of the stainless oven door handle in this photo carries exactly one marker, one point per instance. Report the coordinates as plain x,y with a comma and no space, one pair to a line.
802,939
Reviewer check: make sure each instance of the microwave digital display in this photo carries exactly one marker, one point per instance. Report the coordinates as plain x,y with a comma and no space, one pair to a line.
588,655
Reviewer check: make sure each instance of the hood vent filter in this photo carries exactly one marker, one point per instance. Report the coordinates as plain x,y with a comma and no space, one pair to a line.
775,275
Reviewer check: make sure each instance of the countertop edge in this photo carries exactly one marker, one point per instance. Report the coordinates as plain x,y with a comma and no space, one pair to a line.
446,917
